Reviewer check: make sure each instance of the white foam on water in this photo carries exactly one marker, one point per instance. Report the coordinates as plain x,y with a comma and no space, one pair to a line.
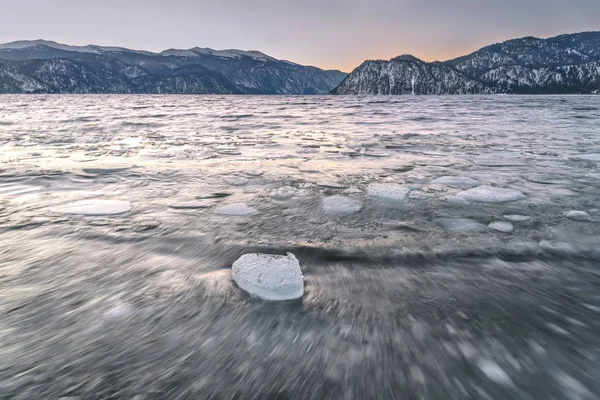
340,205
491,194
95,208
457,182
388,191
235,209
269,277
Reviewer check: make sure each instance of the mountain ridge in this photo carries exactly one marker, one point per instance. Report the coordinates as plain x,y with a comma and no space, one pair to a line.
568,63
42,66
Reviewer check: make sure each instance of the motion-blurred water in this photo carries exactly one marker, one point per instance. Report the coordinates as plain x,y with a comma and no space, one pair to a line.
414,297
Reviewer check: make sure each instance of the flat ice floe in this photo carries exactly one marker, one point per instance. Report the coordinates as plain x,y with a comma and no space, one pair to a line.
459,224
284,193
501,226
269,277
491,194
235,209
388,191
457,182
95,207
340,205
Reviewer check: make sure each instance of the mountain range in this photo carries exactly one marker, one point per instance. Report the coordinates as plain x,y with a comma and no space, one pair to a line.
565,64
41,66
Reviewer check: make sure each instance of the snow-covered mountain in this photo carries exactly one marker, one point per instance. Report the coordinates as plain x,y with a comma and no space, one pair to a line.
41,66
563,64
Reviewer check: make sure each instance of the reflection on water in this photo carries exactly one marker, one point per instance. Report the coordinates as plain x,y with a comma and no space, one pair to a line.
450,246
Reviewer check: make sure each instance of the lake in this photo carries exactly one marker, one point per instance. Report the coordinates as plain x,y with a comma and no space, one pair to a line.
450,246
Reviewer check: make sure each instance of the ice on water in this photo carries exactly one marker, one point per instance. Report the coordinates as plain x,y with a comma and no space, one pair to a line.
491,194
284,193
405,236
235,209
460,224
457,182
501,226
341,205
578,215
388,191
269,277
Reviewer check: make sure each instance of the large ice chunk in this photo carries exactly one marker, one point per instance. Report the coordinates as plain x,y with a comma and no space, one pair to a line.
269,277
388,191
491,194
95,207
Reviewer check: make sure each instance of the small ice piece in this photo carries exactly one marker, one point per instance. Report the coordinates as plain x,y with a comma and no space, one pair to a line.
494,372
235,180
517,218
284,193
577,215
557,329
459,224
95,208
341,205
457,182
501,226
269,277
235,209
491,194
388,191
120,311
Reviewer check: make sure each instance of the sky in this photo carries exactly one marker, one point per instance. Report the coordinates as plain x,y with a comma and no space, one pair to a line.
331,34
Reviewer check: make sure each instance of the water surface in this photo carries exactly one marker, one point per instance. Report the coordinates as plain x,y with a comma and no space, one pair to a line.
413,297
